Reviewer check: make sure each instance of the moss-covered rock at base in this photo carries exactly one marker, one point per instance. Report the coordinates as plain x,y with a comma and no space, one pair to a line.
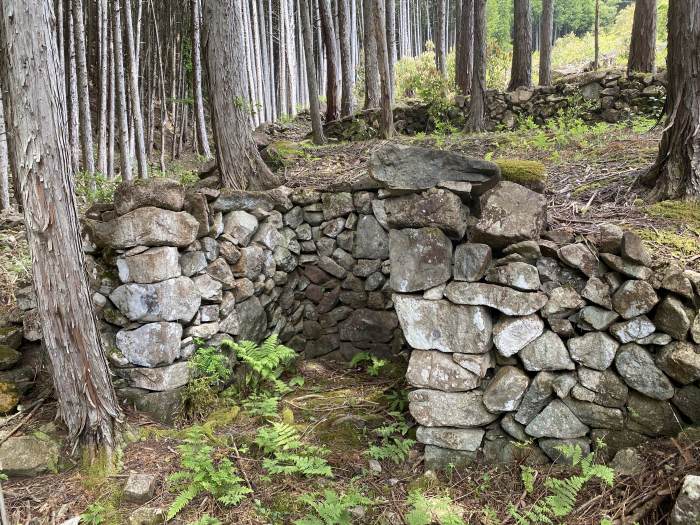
9,397
528,173
8,357
281,153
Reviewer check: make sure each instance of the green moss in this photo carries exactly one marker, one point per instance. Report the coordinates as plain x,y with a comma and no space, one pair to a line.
528,173
282,153
686,212
680,246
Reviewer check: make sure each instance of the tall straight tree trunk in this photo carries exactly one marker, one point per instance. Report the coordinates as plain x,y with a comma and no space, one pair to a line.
83,87
372,82
465,47
137,117
39,152
112,121
642,55
477,104
328,29
386,122
240,165
546,28
521,68
596,36
104,88
161,81
314,107
200,122
440,38
258,55
72,87
390,32
346,104
4,173
124,149
676,173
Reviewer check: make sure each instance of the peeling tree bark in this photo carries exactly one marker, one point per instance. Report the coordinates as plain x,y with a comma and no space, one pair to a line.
39,151
240,165
4,175
676,173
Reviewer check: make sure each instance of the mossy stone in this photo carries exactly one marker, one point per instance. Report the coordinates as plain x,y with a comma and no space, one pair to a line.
11,336
528,173
9,397
8,357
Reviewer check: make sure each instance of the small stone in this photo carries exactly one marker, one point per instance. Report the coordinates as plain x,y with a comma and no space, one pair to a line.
147,516
420,259
634,298
677,282
563,301
637,368
598,292
628,268
594,350
530,250
513,428
633,330
374,466
139,488
193,263
606,387
9,397
250,264
671,317
608,238
561,327
333,268
579,256
518,275
512,334
680,361
506,300
435,294
547,352
478,364
598,318
452,438
556,421
506,389
9,357
628,462
241,226
471,261
209,289
432,408
371,240
538,395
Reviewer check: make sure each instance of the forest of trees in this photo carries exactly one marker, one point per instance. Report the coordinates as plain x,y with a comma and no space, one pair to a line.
120,87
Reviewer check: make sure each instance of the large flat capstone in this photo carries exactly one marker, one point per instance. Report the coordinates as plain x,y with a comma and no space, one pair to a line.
172,300
159,192
502,298
441,325
404,167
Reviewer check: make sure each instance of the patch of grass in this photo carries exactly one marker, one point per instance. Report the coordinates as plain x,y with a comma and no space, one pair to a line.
686,212
678,246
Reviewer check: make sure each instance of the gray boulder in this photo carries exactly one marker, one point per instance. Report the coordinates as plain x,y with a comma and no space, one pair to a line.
509,213
633,330
652,417
432,408
436,370
547,352
151,266
537,396
556,421
686,510
673,318
506,300
634,298
28,456
336,204
637,368
369,326
512,334
598,292
478,364
471,261
252,319
518,275
579,256
371,240
172,300
597,318
158,192
438,458
192,263
594,350
420,259
563,301
680,361
633,249
241,226
452,438
157,379
441,325
606,387
402,167
436,208
151,345
625,267
596,416
506,389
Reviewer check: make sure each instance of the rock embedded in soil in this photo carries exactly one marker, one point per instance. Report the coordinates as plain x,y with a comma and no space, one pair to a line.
686,510
28,456
552,448
139,488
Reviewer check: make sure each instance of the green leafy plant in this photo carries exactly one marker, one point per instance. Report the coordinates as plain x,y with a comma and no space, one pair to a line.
210,369
397,399
333,509
562,493
393,445
203,473
264,364
287,454
426,510
206,520
261,405
95,514
373,366
528,475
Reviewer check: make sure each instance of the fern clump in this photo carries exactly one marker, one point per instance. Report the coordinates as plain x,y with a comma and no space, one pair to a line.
426,510
333,509
393,445
285,453
202,474
211,370
562,493
264,364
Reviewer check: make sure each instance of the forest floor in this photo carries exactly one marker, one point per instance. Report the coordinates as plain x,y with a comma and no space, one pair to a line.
591,171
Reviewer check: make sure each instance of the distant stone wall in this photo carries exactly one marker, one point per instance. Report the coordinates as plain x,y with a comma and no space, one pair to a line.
612,95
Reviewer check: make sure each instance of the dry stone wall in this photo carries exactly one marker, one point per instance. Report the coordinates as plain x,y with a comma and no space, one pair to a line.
516,333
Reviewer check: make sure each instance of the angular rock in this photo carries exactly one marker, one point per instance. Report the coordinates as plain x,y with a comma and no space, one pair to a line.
628,268
596,416
637,368
677,282
139,488
687,400
250,264
506,389
221,271
628,462
28,456
435,209
437,371
538,395
518,275
432,408
478,364
437,458
512,334
151,266
509,213
608,238
8,357
671,317
633,249
651,416
452,438
594,350
530,250
145,227
371,240
506,300
598,292
172,300
514,429
686,510
607,388
556,421
547,352
158,192
151,345
230,199
633,330
563,301
443,326
680,361
241,226
11,336
420,259
192,263
370,326
9,397
253,320
597,318
471,261
634,298
579,256
208,288
336,205
402,167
